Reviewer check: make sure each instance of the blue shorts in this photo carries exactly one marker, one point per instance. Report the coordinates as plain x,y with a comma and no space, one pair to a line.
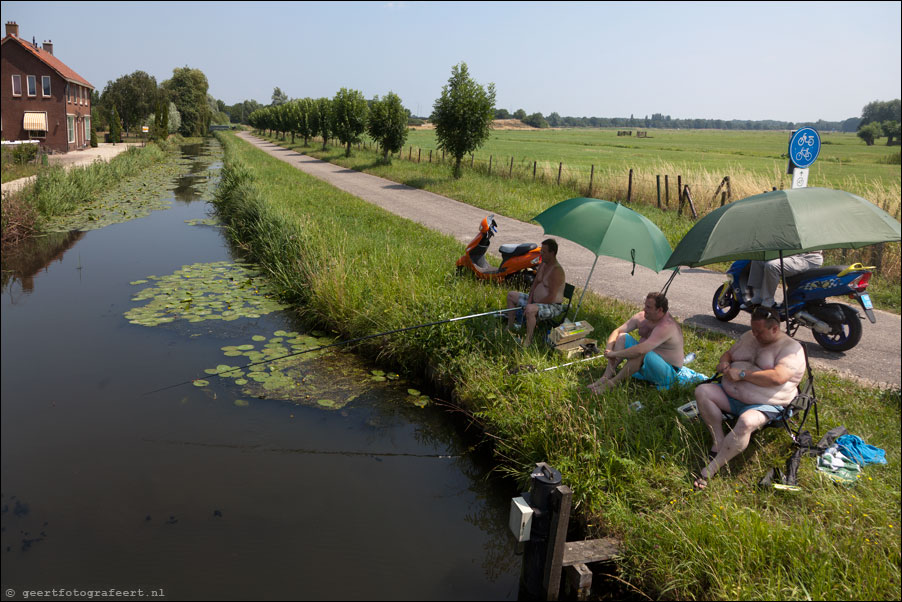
737,408
654,368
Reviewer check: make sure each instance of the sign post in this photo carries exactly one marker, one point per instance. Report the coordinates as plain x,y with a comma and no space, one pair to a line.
804,147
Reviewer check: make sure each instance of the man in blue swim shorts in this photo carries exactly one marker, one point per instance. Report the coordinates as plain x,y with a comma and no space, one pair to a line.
656,357
761,372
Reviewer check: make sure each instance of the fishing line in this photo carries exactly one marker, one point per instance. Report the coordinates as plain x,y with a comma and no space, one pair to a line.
305,451
496,312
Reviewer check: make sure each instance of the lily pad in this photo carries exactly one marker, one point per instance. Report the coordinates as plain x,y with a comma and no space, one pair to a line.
241,403
201,383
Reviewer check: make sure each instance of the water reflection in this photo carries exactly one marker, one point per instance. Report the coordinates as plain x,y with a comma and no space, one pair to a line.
23,261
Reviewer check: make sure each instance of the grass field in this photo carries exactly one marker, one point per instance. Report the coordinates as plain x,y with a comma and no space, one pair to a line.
335,257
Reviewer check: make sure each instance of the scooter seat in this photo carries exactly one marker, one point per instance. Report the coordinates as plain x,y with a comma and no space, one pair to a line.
515,250
827,270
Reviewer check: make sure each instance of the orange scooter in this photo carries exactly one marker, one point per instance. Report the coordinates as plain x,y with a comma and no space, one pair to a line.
517,261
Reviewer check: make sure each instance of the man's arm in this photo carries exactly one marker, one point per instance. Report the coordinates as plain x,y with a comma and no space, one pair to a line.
789,363
659,336
625,328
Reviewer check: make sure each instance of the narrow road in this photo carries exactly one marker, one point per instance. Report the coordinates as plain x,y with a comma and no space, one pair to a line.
875,360
86,156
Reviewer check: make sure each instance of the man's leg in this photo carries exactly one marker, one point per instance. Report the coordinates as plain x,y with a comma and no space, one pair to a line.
733,443
513,300
712,402
530,312
602,384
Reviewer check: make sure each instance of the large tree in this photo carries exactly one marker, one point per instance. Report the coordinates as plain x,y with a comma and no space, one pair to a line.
387,124
322,116
278,97
881,112
349,111
134,96
188,90
463,115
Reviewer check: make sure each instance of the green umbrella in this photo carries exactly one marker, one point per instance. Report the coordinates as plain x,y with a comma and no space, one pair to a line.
609,229
782,223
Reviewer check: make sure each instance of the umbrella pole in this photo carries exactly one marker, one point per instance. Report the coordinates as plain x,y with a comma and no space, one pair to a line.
580,302
785,299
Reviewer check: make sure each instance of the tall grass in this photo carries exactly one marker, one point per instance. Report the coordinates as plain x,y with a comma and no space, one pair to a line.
358,270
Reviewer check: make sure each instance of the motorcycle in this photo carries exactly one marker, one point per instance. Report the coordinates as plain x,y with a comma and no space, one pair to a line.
835,326
518,262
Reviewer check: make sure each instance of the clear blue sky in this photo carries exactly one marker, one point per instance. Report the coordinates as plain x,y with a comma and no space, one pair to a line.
792,61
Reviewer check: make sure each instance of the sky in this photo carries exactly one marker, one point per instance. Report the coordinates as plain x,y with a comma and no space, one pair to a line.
788,61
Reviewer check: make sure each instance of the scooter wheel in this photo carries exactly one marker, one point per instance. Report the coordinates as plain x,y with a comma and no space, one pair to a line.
725,304
845,335
521,280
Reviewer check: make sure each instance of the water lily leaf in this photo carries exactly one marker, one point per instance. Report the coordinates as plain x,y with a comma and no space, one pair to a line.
241,403
377,372
420,402
258,338
413,393
240,382
327,403
392,376
378,379
201,383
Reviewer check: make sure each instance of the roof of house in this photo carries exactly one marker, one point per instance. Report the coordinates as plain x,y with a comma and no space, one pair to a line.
51,61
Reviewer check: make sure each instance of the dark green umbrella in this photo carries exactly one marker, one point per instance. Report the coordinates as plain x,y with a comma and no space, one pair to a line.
609,229
785,222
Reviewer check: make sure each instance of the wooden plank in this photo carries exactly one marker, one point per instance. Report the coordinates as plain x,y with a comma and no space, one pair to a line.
591,550
561,498
579,581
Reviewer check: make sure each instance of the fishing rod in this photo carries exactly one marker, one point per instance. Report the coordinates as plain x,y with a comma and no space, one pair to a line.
496,312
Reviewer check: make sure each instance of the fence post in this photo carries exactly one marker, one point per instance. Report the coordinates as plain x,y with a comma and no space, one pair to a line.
472,159
490,164
679,194
629,189
409,153
729,188
430,155
533,171
560,166
510,172
591,179
443,155
666,191
658,179
419,152
688,195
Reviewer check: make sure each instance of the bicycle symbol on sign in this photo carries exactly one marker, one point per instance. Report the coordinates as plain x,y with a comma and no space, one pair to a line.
803,154
806,139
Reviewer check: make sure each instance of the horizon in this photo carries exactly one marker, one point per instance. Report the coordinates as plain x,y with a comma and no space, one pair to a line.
690,61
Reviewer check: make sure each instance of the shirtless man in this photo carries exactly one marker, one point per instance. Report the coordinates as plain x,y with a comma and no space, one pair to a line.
760,374
546,295
658,354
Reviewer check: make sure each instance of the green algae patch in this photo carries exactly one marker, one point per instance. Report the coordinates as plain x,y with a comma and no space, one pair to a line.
205,291
212,221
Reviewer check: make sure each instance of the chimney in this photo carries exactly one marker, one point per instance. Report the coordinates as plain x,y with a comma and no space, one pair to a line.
48,46
12,29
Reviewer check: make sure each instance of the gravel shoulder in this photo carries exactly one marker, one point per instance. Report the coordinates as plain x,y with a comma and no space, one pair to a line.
876,359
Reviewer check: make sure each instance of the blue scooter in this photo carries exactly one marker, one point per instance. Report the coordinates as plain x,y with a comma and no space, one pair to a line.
835,326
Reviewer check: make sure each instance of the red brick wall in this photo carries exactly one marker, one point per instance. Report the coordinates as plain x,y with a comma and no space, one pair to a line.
16,60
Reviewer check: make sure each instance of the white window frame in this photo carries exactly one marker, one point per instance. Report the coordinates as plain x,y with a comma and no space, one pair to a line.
32,85
17,78
87,129
46,89
70,119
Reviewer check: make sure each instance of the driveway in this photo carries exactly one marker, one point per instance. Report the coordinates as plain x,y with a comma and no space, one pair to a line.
875,360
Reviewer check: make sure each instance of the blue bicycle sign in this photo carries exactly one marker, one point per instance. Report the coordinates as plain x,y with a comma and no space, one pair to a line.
804,147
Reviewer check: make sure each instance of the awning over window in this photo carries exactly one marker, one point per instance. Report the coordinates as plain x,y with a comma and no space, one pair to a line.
35,121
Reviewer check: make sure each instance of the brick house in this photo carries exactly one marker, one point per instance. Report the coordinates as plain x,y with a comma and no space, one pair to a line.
41,98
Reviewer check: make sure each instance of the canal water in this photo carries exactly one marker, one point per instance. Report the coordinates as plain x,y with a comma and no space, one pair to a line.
114,479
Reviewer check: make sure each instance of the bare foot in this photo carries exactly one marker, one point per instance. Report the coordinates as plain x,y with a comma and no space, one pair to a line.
699,484
600,385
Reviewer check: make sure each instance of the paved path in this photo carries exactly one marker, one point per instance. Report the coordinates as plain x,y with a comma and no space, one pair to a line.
103,152
876,359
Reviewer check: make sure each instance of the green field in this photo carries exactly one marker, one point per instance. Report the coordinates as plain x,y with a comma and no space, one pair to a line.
844,158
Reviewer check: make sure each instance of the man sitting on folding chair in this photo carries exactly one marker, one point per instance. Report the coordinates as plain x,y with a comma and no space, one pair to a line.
761,372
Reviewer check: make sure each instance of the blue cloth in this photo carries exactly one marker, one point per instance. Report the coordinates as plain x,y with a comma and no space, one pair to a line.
654,368
853,447
737,408
688,376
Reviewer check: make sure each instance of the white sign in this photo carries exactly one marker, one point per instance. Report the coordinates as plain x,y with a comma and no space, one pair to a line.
800,177
145,128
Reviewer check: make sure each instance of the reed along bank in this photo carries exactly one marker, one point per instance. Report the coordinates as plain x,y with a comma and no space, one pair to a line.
357,270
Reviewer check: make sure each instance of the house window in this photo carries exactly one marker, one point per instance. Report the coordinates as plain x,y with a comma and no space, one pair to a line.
36,134
71,120
35,124
17,85
45,84
32,85
87,129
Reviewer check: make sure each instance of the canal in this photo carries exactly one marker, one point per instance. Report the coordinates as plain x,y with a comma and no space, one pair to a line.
131,460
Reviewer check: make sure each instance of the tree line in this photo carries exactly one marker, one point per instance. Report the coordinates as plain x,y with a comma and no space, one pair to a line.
879,119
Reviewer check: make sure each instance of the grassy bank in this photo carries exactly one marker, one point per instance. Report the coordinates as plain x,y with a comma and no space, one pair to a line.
58,191
356,269
522,198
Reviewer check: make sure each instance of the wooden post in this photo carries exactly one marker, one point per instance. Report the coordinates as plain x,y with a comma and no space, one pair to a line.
591,179
687,197
666,190
629,189
561,499
430,155
443,155
729,188
679,194
723,198
419,152
472,159
658,179
560,167
490,164
534,171
410,153
510,172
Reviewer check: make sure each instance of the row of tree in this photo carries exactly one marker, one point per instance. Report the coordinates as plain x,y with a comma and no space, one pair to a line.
462,117
346,116
879,119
